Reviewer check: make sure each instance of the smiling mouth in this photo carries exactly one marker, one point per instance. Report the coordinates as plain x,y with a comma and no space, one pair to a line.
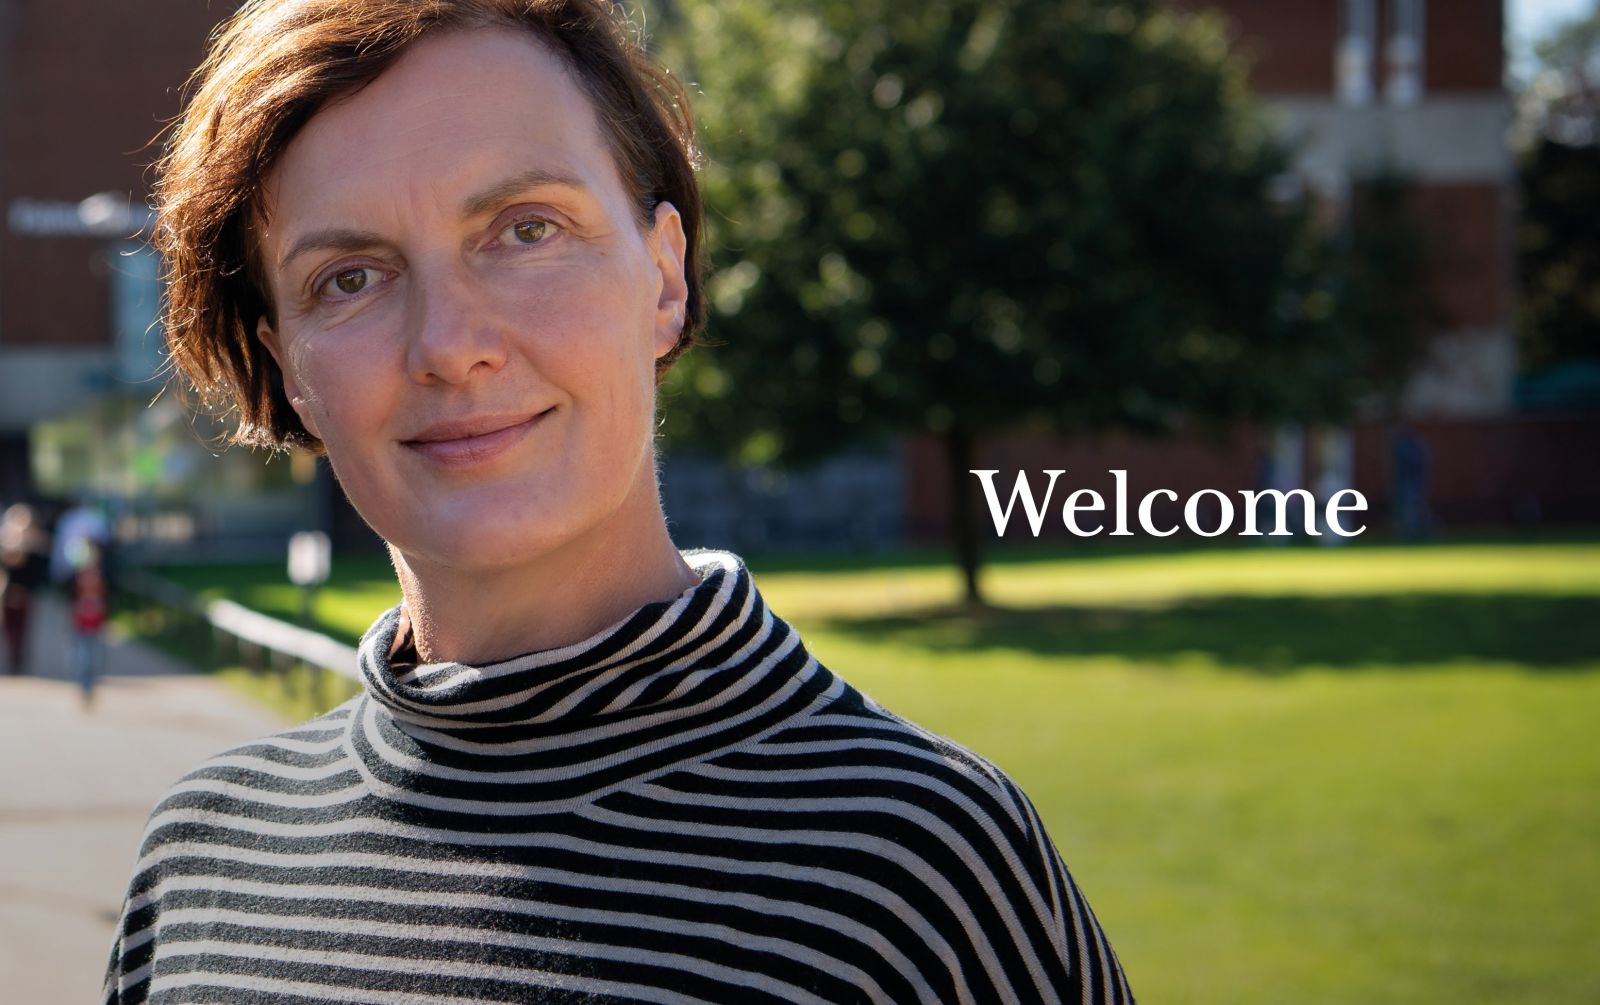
466,450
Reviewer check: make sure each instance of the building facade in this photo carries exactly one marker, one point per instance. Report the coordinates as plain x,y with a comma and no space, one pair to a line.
85,86
1413,89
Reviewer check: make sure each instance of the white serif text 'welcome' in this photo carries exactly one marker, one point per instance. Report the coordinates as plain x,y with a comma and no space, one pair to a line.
1275,503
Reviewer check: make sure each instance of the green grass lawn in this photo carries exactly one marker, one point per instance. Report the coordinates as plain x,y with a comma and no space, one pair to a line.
1368,774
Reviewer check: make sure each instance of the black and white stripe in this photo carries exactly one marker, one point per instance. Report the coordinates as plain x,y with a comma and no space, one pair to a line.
685,808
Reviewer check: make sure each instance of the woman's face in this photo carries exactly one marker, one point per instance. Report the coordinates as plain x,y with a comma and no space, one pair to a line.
468,311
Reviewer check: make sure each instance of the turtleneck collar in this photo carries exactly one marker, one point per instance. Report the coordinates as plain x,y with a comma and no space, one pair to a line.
674,681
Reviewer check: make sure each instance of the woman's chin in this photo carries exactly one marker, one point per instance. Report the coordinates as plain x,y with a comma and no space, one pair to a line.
505,525
483,541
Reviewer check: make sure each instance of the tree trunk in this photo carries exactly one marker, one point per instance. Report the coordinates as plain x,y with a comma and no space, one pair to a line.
960,455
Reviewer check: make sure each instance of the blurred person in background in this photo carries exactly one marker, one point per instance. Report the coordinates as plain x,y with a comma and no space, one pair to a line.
455,244
1409,464
24,570
91,600
82,523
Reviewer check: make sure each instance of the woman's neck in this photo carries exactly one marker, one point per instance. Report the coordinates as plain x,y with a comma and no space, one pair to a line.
561,596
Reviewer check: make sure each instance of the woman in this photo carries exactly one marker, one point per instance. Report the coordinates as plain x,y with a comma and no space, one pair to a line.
454,244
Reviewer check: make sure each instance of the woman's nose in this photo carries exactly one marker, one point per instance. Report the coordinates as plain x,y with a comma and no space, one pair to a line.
453,330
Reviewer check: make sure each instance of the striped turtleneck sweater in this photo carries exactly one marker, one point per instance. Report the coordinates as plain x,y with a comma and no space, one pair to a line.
684,808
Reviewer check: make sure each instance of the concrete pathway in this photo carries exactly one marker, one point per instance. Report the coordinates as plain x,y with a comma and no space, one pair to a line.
76,787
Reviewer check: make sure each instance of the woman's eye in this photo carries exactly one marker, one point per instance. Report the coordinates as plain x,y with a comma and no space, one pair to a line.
348,281
525,232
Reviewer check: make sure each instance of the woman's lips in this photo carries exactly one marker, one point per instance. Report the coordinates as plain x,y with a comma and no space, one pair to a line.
466,451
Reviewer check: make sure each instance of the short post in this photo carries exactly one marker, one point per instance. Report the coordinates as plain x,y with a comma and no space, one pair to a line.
310,561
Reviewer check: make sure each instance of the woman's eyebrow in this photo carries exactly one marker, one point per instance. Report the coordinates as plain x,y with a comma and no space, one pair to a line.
491,198
486,201
325,240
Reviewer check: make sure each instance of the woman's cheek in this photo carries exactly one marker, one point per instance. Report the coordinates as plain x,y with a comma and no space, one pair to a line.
346,373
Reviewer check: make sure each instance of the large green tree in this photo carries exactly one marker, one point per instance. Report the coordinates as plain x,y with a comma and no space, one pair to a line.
1388,304
1558,243
969,217
1558,246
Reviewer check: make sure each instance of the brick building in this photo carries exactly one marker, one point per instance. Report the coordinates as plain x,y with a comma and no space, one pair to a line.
1413,88
84,87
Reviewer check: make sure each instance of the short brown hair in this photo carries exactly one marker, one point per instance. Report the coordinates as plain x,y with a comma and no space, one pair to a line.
271,67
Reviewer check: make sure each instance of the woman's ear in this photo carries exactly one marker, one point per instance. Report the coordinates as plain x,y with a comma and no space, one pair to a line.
291,387
668,247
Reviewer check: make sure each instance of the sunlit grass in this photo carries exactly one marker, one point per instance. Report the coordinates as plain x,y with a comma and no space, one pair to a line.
306,695
1144,578
1299,775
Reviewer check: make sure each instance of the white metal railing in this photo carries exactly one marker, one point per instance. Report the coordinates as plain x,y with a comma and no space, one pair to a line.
252,632
302,644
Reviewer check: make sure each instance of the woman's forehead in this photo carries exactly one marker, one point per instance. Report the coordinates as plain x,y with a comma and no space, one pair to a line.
456,115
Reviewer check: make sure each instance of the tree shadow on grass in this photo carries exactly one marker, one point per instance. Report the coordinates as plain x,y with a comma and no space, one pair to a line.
1272,635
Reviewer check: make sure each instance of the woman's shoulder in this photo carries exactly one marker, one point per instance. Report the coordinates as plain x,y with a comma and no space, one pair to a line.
852,747
854,720
251,781
926,822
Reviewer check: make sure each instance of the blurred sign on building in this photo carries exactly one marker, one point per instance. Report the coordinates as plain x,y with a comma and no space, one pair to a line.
105,214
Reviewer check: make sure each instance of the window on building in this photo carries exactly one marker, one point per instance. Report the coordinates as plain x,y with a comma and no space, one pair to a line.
1403,52
1357,47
